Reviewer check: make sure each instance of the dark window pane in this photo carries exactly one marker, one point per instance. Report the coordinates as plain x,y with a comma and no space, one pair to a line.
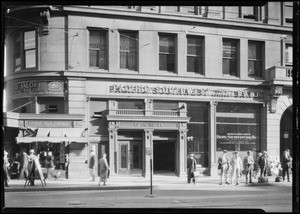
128,47
165,105
167,44
98,52
255,68
198,112
131,104
230,67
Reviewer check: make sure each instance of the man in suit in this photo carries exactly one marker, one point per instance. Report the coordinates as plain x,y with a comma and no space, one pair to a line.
92,165
31,166
191,168
248,166
263,163
223,166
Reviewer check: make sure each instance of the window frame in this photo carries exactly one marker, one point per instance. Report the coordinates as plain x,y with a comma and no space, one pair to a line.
200,71
105,51
21,50
237,73
161,53
261,43
126,32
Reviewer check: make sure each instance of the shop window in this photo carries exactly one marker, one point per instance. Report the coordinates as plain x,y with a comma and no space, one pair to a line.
51,105
255,59
130,104
98,48
195,55
197,135
23,105
230,60
288,54
128,50
25,50
167,52
238,127
52,109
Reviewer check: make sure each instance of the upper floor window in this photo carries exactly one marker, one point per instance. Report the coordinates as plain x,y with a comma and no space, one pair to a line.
167,52
230,60
249,13
128,50
195,54
288,12
288,54
255,58
98,49
131,104
25,50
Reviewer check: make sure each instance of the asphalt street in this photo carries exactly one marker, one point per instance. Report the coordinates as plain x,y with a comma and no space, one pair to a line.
269,198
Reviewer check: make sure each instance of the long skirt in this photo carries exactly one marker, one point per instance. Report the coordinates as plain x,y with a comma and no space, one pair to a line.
103,175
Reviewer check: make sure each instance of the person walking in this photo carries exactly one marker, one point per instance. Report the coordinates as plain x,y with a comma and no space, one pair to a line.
49,164
256,166
31,166
263,163
104,169
224,167
191,168
24,165
5,168
248,166
15,167
92,165
237,165
286,165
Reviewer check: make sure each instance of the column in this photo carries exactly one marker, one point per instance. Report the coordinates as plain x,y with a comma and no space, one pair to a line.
148,145
113,139
212,136
181,152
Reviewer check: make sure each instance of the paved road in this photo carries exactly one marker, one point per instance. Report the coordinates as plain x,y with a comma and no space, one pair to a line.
269,198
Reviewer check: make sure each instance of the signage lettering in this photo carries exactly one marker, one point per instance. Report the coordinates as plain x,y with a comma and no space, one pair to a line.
38,87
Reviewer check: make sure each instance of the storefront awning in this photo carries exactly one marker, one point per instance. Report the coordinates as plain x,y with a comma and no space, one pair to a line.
56,135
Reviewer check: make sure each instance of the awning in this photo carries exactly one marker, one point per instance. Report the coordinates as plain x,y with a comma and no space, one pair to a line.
56,135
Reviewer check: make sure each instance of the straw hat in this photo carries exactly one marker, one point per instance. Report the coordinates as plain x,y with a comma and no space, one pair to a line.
31,151
224,151
191,155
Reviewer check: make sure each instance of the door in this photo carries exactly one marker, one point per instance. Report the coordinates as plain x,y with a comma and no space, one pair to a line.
130,157
124,158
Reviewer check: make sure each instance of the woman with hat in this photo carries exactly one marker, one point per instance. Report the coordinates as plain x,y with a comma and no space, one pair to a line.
237,166
191,168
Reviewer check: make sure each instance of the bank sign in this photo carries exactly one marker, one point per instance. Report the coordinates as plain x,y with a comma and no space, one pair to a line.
38,88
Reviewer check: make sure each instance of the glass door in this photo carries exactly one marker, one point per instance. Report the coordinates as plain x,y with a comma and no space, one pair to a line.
124,158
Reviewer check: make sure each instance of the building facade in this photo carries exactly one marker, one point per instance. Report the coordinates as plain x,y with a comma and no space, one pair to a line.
144,83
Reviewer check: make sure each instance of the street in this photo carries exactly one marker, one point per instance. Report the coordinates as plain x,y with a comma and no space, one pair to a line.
271,198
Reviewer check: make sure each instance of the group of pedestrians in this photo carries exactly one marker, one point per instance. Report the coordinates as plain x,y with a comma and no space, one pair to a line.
102,166
247,166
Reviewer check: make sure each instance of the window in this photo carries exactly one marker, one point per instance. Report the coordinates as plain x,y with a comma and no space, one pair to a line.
288,12
98,49
167,52
51,105
288,54
25,50
128,50
197,135
165,105
254,59
188,9
130,104
230,47
249,13
238,127
195,55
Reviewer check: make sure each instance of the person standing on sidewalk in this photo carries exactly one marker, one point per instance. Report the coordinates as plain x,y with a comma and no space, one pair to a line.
92,165
263,163
237,166
286,165
5,168
24,165
256,166
191,168
31,166
223,166
104,169
49,164
248,166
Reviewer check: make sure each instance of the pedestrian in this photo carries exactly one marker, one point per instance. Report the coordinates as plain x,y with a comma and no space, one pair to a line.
286,165
263,164
5,169
24,165
104,169
15,167
223,166
191,168
31,167
256,166
49,164
92,165
237,166
248,166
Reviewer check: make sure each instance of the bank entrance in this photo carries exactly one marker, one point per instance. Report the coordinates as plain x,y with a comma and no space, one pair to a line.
164,157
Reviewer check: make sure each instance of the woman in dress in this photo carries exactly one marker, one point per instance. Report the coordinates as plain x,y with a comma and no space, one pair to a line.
103,166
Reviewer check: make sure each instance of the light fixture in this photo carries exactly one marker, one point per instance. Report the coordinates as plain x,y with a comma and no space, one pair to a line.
286,134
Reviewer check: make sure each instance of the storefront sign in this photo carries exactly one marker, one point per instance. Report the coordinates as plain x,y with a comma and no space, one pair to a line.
48,124
184,91
230,141
142,125
38,88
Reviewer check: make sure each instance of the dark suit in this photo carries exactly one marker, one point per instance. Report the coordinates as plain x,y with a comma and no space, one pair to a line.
191,168
263,165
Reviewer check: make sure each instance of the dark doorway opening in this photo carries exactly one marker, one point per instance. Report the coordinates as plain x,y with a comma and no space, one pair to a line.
163,156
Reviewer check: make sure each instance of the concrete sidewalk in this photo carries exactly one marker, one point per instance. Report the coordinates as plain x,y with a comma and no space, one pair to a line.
133,182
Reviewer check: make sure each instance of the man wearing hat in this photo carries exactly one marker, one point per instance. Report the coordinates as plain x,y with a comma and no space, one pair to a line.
237,166
31,166
223,166
5,168
263,164
248,166
191,168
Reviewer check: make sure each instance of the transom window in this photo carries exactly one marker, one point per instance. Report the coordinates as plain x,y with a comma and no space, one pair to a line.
128,50
230,53
167,52
288,54
195,55
98,49
254,59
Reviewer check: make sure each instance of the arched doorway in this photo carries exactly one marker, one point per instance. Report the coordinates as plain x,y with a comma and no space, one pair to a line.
286,131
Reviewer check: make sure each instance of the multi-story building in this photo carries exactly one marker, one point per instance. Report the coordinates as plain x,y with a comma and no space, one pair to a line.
145,83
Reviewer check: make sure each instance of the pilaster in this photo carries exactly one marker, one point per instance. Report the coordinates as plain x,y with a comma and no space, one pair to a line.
212,137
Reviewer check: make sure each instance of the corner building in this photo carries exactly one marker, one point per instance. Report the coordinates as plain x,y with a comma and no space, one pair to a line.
148,82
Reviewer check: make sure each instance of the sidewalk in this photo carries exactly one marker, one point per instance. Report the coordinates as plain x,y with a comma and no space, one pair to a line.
134,182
